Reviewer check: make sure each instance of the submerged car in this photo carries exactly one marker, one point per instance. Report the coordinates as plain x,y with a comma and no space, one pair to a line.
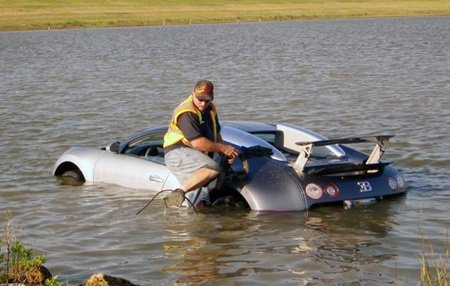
282,167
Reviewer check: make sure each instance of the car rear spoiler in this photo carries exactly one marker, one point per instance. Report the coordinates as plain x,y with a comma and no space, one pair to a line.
374,158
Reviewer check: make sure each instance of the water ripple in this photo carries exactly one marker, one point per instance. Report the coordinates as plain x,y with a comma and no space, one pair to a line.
340,78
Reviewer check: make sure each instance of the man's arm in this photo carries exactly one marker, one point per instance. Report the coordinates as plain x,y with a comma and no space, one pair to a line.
190,127
205,145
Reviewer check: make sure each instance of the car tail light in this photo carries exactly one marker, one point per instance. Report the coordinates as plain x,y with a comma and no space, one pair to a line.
400,182
392,184
314,191
331,190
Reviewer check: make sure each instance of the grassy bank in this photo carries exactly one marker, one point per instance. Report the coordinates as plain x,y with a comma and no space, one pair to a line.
56,14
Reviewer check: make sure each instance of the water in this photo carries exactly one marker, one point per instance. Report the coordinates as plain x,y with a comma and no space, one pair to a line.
340,78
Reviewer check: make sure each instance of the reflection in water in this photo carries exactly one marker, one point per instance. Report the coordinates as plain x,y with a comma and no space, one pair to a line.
341,249
322,245
198,245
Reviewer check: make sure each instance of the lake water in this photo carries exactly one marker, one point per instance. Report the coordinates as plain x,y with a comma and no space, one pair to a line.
340,78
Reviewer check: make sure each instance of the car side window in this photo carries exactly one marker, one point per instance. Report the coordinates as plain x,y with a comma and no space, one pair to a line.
149,147
269,137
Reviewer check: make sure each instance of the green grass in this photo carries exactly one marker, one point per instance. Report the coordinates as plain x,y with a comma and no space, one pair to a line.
434,267
56,14
18,264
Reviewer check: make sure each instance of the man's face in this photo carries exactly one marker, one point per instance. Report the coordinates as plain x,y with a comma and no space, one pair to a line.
201,104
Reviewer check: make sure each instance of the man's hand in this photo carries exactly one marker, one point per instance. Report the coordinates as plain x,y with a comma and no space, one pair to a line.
230,152
175,198
205,145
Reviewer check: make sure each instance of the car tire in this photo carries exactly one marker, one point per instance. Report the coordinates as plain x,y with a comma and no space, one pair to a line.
72,177
230,201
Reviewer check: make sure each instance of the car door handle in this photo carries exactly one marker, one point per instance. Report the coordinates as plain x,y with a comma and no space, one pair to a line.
155,179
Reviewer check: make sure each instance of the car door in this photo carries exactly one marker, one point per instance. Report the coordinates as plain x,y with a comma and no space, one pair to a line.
141,166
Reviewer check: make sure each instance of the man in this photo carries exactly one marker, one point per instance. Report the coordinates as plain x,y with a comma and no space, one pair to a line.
192,138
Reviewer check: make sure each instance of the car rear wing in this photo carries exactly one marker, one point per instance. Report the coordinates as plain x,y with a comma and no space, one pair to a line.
374,158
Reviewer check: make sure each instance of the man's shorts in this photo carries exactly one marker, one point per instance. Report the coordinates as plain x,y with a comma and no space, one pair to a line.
183,162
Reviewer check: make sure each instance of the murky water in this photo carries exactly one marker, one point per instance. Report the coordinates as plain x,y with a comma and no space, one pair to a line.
340,78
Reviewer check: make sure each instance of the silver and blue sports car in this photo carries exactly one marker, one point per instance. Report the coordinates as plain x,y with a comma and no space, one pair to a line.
282,167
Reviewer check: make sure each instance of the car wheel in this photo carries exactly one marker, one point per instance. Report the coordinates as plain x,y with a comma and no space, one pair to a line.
72,177
230,202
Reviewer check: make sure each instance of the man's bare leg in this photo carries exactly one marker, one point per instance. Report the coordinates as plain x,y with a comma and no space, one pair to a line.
200,178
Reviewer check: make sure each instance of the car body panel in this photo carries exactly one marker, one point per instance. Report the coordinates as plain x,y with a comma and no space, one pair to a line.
245,139
135,172
273,186
354,187
83,157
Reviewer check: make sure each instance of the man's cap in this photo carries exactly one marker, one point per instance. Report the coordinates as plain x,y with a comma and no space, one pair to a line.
204,90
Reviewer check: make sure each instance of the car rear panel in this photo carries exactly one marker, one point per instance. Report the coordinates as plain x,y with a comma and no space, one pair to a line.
338,188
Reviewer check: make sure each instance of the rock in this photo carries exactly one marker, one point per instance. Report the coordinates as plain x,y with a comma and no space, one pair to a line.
100,279
38,275
35,276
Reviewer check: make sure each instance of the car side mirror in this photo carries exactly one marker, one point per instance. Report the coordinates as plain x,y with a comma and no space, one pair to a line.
113,147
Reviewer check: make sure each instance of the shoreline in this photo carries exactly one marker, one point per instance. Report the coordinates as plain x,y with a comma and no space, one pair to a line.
76,28
38,15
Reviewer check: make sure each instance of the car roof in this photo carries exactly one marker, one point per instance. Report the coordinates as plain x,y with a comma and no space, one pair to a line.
251,126
247,126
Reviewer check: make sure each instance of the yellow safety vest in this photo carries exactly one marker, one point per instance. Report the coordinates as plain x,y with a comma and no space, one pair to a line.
174,134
